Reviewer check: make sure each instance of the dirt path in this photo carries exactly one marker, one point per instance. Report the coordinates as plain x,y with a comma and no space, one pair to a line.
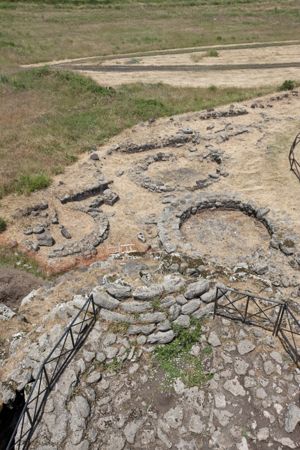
239,65
228,67
176,51
231,78
182,68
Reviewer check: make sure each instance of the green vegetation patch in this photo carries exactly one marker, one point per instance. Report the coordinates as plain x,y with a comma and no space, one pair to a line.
30,183
48,117
3,225
12,258
118,327
177,362
212,53
114,366
288,85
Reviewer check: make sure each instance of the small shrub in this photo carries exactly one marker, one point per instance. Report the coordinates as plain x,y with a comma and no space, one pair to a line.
212,53
212,88
3,79
133,61
288,85
3,225
30,183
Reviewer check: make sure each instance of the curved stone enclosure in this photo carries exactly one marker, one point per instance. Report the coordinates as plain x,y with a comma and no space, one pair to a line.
137,174
153,310
174,216
87,245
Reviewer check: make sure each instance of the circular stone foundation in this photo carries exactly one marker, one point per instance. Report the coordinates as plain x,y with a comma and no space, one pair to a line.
225,227
225,237
62,231
182,174
167,172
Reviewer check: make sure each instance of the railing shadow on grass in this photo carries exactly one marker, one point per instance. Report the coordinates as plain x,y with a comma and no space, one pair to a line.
271,315
49,373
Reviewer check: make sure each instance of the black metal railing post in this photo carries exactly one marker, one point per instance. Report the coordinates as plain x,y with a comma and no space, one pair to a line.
47,376
279,319
246,308
258,312
216,302
294,164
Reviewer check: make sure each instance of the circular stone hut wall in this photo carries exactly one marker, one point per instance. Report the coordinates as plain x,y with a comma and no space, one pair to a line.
214,224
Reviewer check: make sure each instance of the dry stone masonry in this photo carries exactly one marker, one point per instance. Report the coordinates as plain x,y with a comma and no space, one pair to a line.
110,395
180,211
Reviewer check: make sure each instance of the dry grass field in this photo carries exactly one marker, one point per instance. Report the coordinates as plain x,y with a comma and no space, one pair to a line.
44,30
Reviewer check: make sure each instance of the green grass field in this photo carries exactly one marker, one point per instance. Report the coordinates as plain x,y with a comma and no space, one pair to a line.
42,31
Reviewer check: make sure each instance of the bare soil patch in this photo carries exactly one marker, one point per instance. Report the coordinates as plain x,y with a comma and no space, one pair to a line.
15,285
225,236
183,174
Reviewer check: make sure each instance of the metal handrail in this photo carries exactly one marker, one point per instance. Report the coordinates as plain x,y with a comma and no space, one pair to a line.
283,323
294,164
50,371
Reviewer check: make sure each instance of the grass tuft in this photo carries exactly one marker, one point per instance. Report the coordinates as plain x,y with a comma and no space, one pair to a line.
156,304
118,327
177,362
114,366
26,184
3,225
288,85
212,53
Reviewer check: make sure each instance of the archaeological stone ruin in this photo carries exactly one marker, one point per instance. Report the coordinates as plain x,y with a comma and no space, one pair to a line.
173,319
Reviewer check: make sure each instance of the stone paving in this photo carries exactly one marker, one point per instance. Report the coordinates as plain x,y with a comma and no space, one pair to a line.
114,394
